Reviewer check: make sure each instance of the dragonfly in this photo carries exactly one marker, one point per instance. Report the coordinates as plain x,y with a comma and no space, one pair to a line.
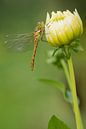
20,42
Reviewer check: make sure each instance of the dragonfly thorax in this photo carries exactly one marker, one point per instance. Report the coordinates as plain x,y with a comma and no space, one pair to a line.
40,26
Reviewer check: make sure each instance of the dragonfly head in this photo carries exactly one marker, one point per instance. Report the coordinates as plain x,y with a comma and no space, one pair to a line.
40,26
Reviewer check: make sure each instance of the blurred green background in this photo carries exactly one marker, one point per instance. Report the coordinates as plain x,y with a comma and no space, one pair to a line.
25,103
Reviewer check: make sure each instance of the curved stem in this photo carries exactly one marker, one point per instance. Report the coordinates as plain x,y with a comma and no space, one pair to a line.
74,95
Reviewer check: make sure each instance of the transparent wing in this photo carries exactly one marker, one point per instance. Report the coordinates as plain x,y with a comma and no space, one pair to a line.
19,42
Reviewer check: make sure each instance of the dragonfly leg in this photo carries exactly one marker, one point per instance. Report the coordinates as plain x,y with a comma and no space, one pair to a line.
42,38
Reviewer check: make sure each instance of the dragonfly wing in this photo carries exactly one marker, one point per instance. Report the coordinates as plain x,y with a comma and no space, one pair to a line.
19,42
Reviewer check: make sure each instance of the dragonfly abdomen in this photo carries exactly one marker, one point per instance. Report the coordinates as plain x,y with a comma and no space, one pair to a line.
36,38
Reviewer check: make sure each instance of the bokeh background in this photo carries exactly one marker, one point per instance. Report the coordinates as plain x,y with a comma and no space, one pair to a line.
25,103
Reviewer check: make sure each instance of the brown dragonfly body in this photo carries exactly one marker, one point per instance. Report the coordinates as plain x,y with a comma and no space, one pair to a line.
21,42
38,34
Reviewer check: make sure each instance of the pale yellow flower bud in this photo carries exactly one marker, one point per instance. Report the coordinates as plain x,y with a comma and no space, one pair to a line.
63,27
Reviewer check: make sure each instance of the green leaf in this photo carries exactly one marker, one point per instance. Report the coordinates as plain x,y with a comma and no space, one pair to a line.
56,123
60,86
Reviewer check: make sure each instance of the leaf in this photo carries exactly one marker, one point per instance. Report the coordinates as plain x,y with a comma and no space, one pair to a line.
60,86
56,123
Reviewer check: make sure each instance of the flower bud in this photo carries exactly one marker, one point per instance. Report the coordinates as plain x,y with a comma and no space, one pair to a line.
63,27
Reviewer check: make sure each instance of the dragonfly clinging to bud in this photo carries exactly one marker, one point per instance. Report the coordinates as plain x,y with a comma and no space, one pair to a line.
20,42
38,34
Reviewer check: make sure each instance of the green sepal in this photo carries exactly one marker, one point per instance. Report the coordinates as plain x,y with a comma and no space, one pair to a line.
76,46
63,52
57,55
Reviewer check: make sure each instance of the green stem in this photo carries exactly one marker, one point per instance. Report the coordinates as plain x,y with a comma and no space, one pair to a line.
65,68
74,95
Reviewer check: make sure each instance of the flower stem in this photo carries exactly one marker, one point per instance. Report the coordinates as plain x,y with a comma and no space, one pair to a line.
74,95
65,68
